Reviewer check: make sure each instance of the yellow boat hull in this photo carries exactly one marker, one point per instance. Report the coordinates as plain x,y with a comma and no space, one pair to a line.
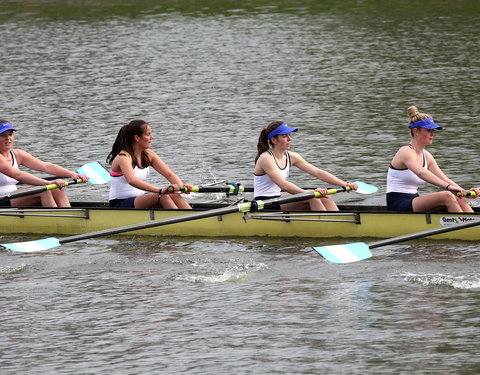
352,223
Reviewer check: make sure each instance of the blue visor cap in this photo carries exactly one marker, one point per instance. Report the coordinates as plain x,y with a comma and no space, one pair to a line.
281,129
426,124
4,126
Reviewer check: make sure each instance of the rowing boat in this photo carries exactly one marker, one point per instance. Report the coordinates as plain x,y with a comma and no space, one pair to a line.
350,222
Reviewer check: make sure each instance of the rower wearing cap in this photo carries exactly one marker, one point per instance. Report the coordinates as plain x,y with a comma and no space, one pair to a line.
272,167
413,166
10,174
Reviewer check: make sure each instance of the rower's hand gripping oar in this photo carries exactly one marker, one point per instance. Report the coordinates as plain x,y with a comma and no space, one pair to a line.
37,189
94,171
354,252
49,243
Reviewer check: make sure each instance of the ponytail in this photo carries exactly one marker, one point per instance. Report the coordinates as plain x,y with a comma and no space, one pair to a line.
263,142
124,141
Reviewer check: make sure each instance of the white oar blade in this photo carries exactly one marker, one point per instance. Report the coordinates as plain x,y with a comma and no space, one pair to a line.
33,246
352,252
95,172
364,188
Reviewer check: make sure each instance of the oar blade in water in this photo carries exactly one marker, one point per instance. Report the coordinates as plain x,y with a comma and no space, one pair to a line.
33,246
352,252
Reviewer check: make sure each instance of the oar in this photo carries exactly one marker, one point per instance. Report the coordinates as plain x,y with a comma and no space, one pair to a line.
234,189
95,172
354,252
36,190
49,243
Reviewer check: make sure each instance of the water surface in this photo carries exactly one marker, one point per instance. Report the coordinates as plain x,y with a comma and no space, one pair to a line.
208,75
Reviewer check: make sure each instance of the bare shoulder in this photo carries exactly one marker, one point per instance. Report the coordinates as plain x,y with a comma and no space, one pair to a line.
429,156
428,153
123,156
295,157
265,159
21,155
122,160
406,148
152,155
402,155
265,156
405,152
264,162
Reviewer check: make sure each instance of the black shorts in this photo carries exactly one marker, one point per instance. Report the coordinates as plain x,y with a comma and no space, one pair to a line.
5,203
275,206
123,203
400,201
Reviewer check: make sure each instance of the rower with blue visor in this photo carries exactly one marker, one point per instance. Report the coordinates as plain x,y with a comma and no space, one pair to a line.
272,168
413,166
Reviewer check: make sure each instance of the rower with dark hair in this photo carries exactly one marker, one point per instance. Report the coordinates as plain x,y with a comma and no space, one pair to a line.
131,158
272,168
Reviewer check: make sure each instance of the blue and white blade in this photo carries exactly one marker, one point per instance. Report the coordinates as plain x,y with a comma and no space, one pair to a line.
364,188
352,252
33,246
95,172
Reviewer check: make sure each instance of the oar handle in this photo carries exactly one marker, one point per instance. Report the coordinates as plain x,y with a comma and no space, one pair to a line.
470,193
331,191
35,190
230,189
72,182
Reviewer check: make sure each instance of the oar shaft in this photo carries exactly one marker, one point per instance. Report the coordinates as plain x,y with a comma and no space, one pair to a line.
242,207
229,189
36,190
425,233
233,189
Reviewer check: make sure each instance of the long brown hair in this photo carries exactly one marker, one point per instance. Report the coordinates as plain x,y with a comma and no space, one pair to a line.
124,141
263,142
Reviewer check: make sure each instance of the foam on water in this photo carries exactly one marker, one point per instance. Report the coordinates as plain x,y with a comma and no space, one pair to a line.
468,281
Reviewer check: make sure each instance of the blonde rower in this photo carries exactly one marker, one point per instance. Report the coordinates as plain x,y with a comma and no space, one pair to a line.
413,166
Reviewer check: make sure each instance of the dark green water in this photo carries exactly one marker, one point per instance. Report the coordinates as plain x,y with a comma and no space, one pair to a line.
209,75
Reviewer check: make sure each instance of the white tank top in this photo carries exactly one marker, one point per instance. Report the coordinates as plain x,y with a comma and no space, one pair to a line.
263,186
404,180
8,184
121,189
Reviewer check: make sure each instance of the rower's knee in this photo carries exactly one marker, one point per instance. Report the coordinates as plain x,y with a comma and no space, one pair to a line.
448,196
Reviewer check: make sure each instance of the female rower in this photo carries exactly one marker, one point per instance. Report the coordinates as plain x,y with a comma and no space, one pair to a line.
412,166
131,158
10,161
272,166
